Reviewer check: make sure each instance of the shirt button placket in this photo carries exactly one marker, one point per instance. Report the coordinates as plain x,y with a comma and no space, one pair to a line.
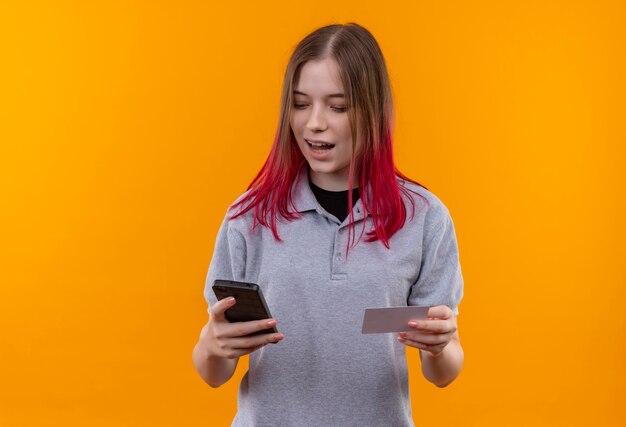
338,264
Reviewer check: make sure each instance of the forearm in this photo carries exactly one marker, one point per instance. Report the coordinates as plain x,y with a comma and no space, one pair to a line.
442,369
214,370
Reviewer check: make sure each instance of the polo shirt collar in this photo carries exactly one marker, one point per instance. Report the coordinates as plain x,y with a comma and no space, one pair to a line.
304,200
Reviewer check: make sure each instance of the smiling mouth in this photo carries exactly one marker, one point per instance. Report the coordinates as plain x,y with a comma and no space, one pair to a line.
318,147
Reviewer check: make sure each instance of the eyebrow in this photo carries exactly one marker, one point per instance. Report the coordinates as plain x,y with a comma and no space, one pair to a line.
332,95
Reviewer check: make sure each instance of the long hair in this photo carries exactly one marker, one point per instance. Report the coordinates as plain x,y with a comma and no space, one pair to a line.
368,93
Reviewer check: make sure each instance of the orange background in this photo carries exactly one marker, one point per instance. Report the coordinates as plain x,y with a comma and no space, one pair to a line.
128,127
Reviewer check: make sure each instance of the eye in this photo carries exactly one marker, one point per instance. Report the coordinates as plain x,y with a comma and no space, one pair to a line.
336,109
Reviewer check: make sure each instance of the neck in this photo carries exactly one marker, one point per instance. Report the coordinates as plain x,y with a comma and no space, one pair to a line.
337,181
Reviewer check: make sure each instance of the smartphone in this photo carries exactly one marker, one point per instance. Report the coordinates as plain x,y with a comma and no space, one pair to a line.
249,305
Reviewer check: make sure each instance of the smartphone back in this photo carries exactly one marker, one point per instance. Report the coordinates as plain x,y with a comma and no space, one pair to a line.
250,304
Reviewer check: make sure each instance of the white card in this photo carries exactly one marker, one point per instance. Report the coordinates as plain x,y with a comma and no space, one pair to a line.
391,319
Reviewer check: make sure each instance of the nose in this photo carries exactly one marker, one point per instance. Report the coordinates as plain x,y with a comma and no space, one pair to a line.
316,121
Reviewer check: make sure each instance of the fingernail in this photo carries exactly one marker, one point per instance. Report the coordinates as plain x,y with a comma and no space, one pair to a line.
231,300
401,339
277,337
412,324
271,322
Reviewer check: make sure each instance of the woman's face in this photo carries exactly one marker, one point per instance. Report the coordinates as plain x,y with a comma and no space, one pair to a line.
320,124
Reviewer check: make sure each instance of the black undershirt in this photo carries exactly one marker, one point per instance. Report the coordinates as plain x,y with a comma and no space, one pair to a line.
334,202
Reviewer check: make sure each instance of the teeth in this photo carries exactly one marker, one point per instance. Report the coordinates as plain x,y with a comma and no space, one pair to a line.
316,144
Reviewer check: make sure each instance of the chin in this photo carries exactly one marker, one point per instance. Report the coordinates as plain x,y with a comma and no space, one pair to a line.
316,166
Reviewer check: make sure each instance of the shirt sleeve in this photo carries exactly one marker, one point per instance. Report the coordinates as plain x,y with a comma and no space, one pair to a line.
440,281
228,261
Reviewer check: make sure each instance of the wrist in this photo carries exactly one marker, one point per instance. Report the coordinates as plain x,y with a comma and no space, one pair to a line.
202,351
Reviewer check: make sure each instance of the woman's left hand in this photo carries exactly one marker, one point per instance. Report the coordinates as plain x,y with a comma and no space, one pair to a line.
432,334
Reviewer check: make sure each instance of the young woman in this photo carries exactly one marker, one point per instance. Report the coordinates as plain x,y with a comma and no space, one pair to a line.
327,228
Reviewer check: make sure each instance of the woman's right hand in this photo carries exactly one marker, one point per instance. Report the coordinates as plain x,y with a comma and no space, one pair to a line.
221,338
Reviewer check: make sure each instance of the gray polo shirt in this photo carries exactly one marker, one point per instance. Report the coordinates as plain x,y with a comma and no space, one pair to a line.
325,372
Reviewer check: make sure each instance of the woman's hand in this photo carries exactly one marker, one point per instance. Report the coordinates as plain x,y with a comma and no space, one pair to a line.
228,340
432,334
